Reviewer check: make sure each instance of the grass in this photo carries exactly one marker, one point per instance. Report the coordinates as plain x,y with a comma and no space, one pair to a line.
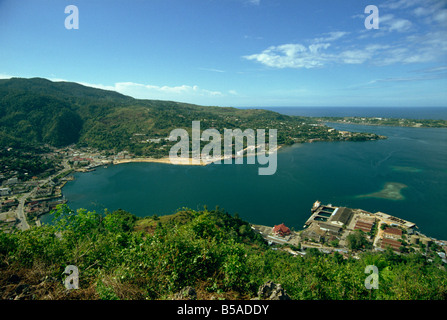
148,224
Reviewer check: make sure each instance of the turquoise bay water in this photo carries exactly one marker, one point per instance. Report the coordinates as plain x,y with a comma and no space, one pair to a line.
337,172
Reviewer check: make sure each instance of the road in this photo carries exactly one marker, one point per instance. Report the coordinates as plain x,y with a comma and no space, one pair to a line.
20,211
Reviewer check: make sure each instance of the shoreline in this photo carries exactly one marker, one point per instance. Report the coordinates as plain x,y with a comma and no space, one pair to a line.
180,161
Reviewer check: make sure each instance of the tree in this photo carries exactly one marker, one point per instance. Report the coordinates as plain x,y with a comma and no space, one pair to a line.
334,243
357,240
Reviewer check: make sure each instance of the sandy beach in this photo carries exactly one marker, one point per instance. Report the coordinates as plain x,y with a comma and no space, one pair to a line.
176,161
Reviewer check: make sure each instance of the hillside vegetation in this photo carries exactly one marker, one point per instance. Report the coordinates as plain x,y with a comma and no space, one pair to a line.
37,111
120,256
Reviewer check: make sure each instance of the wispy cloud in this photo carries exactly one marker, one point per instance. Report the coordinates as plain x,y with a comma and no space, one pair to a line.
440,69
390,23
403,4
431,47
292,55
317,54
331,36
414,76
212,70
409,79
399,40
146,91
193,94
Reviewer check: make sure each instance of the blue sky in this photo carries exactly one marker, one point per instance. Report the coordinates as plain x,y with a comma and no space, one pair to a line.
235,52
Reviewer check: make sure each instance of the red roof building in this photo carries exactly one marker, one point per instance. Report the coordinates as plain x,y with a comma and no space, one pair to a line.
394,244
392,232
364,225
281,230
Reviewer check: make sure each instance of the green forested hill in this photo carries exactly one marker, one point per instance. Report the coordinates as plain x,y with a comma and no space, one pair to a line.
39,111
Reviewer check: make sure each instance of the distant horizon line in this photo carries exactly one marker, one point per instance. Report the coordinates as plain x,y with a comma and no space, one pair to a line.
344,107
8,77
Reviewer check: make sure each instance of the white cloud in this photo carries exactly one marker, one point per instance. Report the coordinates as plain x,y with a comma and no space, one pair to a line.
440,69
212,70
331,36
317,54
146,91
424,76
389,23
292,55
423,11
432,12
411,43
400,25
187,93
354,56
402,4
430,47
441,17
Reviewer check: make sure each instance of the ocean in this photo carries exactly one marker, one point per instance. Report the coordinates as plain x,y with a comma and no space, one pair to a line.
404,175
436,113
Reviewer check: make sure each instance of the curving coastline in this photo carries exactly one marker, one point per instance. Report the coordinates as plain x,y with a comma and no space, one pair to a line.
178,161
181,161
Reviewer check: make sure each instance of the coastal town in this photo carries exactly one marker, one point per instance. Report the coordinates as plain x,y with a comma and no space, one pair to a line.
347,231
23,201
24,198
329,228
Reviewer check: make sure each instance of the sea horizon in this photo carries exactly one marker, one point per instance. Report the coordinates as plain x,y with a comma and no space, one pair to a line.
411,112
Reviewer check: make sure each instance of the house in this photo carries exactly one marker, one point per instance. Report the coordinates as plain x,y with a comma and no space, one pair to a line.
341,216
364,225
9,203
281,230
394,244
314,232
4,191
14,180
332,228
392,233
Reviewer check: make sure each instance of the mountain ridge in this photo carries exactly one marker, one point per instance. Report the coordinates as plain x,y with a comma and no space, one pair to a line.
39,111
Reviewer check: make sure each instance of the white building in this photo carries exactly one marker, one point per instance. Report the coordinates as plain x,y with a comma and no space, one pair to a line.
4,191
12,181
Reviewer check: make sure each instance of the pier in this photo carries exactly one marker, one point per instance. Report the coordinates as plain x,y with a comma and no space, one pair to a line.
321,213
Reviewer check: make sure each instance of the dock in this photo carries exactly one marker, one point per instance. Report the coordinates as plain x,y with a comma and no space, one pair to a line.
321,213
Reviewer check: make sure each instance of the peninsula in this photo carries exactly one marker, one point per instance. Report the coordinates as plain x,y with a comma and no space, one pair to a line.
381,121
